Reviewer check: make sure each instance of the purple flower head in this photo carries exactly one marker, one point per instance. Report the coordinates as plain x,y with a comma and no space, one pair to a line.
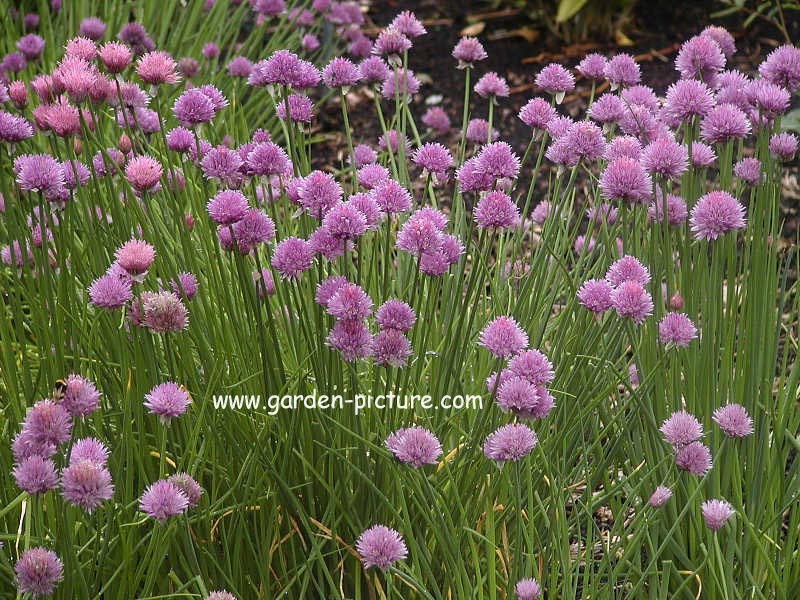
135,256
732,88
186,483
783,145
623,146
419,235
608,108
223,165
478,131
533,366
415,446
687,98
675,209
391,348
164,312
227,207
193,108
722,37
90,449
395,314
47,424
220,595
510,442
351,338
344,221
641,94
391,197
676,329
703,155
724,122
374,70
748,170
503,337
665,157
92,28
639,121
716,214
210,51
319,192
31,46
110,292
468,51
595,295
267,158
392,43
695,458
86,483
586,140
401,83
471,178
527,589
13,128
115,56
700,58
622,71
660,496
81,396
35,474
491,85
156,68
392,140
252,229
556,80
593,66
135,35
162,500
782,67
769,100
408,24
523,399
380,546
291,257
631,300
367,206
80,47
143,173
311,42
13,62
733,420
716,513
496,210
363,154
372,175
240,66
497,160
537,113
340,72
39,173
625,179
75,173
433,158
263,282
301,109
180,139
38,571
167,400
350,302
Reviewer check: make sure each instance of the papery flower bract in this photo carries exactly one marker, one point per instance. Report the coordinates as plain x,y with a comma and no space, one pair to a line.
659,496
86,483
510,442
716,214
415,446
162,500
35,474
503,337
167,400
676,329
716,513
38,571
695,458
291,257
631,300
380,546
733,420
